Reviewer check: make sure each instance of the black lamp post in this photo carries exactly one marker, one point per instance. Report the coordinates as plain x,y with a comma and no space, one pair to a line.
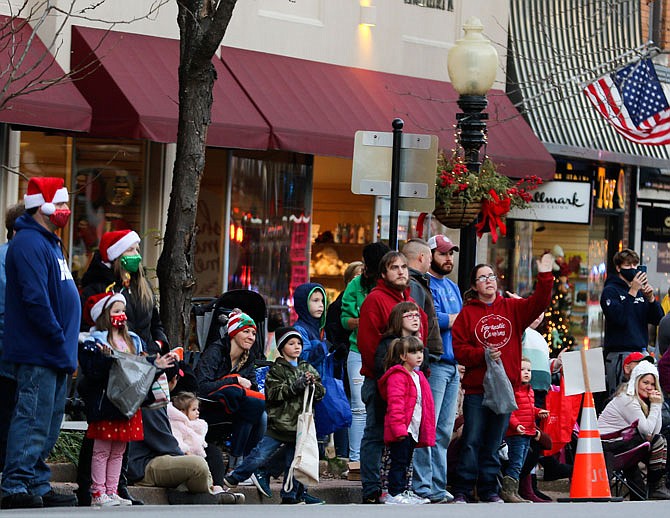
472,65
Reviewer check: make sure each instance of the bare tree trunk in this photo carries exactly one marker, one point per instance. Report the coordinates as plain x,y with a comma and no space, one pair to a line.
202,26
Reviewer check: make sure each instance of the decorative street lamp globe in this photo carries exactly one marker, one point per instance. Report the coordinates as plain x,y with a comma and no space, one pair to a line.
472,64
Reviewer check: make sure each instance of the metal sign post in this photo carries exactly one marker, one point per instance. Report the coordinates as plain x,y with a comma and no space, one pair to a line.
395,182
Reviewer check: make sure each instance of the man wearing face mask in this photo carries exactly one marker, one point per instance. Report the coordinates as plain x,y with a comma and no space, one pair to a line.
41,329
629,305
117,266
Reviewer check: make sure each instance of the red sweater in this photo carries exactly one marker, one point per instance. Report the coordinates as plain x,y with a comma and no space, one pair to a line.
374,321
526,413
499,326
398,389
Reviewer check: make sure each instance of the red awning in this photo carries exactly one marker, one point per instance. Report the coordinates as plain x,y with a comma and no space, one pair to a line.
134,91
316,108
37,92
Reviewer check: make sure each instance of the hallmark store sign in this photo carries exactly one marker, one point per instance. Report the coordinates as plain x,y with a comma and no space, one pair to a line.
560,202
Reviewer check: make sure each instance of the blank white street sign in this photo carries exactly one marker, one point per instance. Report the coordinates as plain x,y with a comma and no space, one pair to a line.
371,173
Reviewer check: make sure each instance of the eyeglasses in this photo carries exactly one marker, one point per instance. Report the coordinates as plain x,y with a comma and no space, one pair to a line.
489,277
412,315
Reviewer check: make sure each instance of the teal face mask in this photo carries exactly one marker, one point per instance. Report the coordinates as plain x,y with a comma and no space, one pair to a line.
131,262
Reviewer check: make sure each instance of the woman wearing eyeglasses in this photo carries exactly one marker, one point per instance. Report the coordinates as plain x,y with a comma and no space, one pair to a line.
493,324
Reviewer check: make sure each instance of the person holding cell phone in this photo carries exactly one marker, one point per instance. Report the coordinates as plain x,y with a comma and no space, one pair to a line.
629,305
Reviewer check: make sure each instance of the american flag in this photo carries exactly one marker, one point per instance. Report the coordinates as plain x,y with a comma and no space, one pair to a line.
632,100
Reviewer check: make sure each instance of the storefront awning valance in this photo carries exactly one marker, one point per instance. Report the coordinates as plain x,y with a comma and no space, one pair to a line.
316,108
557,48
133,87
36,92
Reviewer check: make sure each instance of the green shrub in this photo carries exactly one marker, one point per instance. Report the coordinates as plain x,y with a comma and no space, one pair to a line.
67,447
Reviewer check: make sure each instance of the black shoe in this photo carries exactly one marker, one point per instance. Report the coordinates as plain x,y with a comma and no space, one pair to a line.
21,501
372,498
53,499
124,493
291,501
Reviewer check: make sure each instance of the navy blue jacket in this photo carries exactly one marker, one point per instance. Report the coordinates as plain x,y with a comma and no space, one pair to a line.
626,317
42,311
95,369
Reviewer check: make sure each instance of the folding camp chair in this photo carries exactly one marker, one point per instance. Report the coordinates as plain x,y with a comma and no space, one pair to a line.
623,466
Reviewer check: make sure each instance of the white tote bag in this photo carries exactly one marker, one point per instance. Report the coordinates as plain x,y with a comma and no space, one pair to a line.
305,465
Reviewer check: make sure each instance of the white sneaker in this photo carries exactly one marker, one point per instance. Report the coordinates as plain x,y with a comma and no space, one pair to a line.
104,501
247,482
399,499
413,498
121,501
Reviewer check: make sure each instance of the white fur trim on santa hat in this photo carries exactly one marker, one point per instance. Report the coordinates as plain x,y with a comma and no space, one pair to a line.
100,306
37,200
123,244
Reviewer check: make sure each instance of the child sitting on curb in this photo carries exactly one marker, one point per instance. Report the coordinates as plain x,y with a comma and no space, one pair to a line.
285,384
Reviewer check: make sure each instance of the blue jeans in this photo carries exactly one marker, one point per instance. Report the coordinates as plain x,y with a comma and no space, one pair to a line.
35,426
483,432
354,364
372,444
517,449
430,464
259,457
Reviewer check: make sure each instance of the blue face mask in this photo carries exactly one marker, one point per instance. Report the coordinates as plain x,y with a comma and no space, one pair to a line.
294,362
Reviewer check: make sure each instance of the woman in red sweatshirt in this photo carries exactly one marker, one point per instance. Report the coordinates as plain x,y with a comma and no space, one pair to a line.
490,324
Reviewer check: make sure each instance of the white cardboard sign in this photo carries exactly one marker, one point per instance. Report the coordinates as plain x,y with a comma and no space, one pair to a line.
573,372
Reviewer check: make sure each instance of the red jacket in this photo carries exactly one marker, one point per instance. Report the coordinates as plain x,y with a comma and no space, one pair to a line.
526,413
374,321
499,326
398,389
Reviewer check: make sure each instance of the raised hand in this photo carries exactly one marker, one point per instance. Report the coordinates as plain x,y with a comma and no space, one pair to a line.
545,263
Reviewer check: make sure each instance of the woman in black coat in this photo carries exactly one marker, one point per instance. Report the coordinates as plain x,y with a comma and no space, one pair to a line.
117,267
226,374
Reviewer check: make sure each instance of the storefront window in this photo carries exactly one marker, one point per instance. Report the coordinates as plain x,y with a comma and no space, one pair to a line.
108,194
270,217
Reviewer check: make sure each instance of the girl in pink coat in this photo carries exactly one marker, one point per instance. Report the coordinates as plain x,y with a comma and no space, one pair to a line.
410,416
187,427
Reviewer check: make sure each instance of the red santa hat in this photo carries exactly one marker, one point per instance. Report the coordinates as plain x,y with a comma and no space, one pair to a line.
113,244
96,304
45,192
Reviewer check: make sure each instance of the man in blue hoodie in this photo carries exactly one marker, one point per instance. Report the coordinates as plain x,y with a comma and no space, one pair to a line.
42,315
628,304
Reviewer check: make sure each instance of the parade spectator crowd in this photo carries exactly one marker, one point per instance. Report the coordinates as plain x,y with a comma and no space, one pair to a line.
414,353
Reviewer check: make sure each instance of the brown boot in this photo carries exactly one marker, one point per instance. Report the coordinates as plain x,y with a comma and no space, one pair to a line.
659,490
510,491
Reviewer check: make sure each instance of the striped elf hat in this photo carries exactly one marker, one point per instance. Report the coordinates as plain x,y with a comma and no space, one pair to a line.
239,321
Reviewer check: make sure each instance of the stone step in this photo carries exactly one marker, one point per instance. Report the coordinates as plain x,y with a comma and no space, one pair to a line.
333,491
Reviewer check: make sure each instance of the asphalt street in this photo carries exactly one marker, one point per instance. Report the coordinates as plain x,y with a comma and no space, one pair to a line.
573,510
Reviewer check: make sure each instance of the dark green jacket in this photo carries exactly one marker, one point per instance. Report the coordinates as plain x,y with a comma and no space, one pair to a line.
282,404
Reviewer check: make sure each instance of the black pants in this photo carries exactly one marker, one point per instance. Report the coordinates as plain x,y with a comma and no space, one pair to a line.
400,454
7,403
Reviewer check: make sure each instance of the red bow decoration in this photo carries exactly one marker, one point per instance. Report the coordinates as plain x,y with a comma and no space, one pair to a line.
491,216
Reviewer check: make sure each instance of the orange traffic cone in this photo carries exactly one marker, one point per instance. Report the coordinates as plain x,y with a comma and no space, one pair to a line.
590,482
